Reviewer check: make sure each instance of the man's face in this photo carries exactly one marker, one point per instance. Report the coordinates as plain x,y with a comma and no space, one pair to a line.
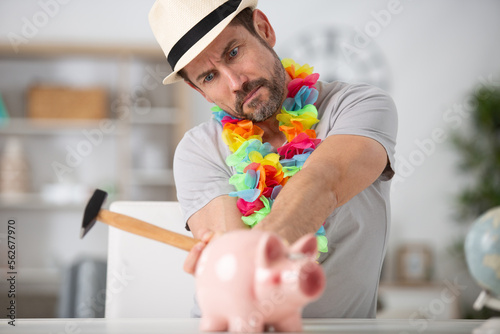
240,74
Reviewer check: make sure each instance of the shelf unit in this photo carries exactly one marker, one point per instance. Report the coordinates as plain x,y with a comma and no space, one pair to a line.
23,126
132,161
141,109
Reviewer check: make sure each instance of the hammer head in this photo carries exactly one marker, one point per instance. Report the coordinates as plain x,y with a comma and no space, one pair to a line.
92,210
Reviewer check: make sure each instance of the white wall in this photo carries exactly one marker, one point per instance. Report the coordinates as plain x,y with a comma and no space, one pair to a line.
435,52
74,21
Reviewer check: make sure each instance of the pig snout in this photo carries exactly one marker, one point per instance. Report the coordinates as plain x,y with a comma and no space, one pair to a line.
306,278
311,280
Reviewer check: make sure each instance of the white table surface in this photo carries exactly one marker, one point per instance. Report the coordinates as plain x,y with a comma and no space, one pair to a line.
189,326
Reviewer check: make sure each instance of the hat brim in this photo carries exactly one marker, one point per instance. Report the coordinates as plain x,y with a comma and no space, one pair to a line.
205,41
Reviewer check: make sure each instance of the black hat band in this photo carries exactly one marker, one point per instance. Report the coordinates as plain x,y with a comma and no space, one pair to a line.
201,29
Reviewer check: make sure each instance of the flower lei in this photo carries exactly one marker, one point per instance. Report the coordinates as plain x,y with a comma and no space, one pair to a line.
260,172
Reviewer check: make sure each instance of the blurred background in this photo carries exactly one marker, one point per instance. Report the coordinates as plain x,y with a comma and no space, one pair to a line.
440,61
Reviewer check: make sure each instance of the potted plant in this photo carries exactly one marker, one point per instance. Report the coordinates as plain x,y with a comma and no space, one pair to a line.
479,150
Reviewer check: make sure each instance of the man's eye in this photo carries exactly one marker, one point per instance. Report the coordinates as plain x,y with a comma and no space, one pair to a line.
209,77
233,52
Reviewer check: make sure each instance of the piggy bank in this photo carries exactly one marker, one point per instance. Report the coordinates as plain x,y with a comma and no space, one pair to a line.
249,280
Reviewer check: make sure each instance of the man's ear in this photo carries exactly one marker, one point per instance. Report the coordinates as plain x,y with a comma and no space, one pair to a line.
263,27
198,90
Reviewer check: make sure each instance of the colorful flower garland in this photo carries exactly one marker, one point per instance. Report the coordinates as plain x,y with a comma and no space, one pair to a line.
260,172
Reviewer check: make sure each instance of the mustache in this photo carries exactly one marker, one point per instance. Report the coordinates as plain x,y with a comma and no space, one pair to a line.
246,88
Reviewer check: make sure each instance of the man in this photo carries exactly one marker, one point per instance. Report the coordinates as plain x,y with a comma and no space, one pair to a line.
224,50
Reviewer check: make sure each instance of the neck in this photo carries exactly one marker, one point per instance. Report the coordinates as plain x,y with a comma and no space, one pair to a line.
272,133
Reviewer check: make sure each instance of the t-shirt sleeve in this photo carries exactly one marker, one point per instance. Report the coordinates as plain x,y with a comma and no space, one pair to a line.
367,111
200,171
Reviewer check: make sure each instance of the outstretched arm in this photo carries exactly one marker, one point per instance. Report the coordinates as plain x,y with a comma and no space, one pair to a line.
341,167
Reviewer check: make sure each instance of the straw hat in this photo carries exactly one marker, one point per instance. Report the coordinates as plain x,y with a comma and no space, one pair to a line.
184,28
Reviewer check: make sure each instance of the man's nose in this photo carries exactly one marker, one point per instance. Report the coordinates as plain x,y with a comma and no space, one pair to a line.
235,78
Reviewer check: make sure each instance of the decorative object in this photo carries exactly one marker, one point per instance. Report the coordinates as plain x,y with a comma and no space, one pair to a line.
482,253
247,280
341,53
14,171
479,149
4,116
414,264
63,193
65,102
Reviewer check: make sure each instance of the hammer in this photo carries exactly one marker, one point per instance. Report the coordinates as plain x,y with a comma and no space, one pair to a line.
93,212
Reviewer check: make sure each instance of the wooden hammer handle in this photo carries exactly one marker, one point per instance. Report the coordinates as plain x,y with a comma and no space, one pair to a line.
147,230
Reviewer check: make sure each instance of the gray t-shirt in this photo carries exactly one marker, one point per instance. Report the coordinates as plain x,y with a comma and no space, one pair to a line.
357,231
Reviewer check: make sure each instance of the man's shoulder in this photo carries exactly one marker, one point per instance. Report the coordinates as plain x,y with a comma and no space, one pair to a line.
340,89
203,139
335,97
208,130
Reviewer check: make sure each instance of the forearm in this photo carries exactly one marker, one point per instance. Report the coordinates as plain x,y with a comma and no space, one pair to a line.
219,216
302,205
329,178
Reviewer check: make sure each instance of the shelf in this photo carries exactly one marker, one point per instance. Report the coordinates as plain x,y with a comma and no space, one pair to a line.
155,115
57,49
25,126
34,201
134,71
158,177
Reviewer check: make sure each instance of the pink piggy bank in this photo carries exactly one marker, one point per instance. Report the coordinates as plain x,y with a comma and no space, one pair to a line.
247,281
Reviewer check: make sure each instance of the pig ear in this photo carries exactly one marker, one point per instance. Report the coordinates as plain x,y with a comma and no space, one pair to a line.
307,245
270,249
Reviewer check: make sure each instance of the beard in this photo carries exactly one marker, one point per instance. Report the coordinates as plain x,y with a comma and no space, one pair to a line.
263,109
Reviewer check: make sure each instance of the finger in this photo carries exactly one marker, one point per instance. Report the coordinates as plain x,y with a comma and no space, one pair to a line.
207,236
192,258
